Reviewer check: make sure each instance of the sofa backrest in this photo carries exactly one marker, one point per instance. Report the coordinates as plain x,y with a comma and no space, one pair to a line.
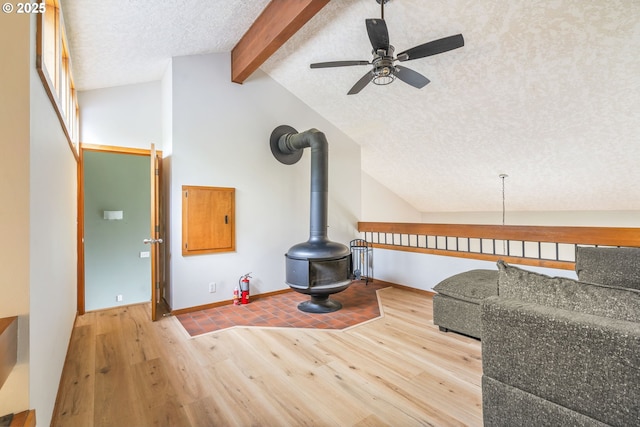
568,294
609,266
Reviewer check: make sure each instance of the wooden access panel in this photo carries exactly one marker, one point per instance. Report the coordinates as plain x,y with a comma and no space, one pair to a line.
208,220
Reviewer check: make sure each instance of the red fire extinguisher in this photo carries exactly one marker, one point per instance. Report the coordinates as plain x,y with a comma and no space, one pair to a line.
243,282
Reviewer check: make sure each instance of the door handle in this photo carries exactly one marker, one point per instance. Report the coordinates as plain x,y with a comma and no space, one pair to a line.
151,241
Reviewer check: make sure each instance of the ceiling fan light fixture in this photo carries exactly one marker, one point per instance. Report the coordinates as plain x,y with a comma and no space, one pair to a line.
383,67
383,76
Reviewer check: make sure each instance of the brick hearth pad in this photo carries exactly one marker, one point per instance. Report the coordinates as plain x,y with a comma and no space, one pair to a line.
359,304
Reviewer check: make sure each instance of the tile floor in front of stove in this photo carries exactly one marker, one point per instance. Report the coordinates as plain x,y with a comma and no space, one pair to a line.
359,304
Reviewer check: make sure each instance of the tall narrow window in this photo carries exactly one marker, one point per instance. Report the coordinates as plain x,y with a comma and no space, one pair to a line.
53,62
49,38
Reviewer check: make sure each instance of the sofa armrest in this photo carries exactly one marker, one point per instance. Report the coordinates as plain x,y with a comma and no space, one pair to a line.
587,363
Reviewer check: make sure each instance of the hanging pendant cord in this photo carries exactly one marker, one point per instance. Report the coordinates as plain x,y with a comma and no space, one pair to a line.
504,242
503,204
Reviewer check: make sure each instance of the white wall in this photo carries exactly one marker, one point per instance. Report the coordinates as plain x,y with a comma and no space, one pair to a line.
122,116
559,218
14,190
166,110
167,149
424,271
220,138
379,204
53,272
38,279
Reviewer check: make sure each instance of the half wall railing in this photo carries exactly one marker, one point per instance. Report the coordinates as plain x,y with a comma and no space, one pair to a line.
543,246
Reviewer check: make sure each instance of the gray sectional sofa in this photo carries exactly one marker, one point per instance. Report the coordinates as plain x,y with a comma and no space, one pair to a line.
561,352
456,306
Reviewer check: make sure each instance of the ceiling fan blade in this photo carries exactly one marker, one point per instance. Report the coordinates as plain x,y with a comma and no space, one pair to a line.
378,34
432,48
338,64
411,77
360,84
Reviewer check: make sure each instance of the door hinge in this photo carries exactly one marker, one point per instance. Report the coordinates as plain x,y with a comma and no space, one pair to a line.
186,194
157,172
157,228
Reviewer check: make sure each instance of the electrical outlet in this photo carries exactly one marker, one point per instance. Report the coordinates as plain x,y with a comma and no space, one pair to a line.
118,298
212,287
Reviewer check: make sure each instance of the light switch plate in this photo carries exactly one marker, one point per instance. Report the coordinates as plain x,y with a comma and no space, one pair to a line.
144,254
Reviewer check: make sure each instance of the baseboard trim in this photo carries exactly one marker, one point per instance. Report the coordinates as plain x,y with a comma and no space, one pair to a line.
405,287
283,291
225,302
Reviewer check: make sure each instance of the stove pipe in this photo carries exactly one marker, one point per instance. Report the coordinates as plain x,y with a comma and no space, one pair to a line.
318,267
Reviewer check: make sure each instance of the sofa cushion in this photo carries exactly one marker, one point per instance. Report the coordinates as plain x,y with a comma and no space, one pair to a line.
609,266
472,286
568,294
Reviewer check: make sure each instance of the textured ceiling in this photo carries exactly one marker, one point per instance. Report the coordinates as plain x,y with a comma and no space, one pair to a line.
119,42
545,91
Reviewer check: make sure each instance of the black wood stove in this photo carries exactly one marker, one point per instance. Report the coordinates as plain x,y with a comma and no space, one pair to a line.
317,267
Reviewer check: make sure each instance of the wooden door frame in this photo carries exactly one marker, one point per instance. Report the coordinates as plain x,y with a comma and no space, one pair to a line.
80,243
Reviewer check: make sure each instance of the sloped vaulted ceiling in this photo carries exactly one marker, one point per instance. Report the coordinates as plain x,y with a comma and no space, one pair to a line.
545,91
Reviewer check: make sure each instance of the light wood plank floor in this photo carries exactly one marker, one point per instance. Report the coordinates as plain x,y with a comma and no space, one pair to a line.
398,370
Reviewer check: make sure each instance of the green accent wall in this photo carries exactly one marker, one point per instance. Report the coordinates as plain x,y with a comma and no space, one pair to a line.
113,266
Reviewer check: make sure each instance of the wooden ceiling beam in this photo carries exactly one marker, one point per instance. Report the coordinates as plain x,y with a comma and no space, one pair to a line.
276,24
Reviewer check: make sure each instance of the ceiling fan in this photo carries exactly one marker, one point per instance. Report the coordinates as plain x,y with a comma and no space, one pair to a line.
384,71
